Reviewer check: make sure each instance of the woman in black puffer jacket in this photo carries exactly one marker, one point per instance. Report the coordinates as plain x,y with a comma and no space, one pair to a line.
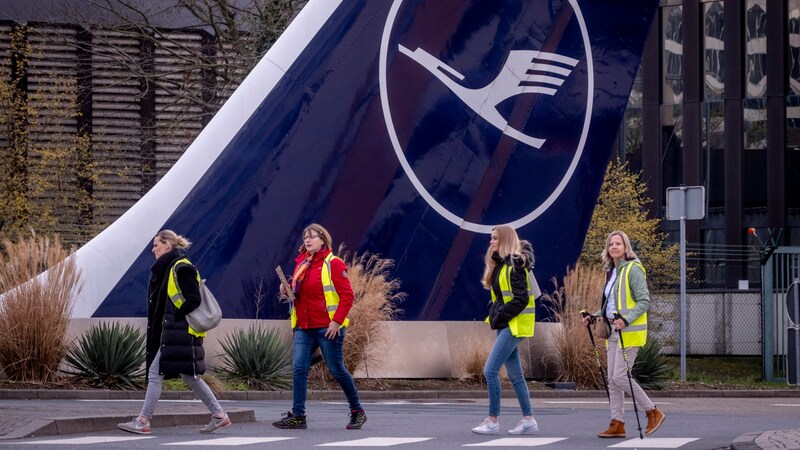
173,348
512,314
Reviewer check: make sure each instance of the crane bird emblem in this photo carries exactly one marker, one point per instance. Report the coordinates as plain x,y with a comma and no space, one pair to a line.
524,72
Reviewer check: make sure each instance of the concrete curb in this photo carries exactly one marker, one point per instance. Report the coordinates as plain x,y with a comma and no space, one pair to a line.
746,442
88,424
74,394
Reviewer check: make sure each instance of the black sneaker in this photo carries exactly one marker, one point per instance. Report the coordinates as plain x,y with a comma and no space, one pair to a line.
357,419
290,422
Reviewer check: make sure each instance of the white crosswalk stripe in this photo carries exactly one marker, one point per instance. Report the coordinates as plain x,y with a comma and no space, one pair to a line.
230,441
517,442
88,440
376,442
654,443
660,443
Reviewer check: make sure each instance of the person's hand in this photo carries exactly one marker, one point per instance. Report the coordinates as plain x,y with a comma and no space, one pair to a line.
587,318
333,330
618,324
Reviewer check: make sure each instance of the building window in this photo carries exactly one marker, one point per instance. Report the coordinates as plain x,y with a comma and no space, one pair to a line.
754,175
671,148
631,128
672,57
714,50
792,159
713,119
754,107
755,48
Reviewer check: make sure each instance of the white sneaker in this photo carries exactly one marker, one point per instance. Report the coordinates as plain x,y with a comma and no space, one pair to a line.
525,426
487,427
216,423
135,426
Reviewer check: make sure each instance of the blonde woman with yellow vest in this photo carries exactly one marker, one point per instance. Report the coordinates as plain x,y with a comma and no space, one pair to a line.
173,348
512,314
323,298
627,298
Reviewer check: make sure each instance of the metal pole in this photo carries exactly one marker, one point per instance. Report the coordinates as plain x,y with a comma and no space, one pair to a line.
796,327
683,298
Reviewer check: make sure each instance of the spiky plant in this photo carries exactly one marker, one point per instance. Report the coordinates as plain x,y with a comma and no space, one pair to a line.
108,355
651,369
256,356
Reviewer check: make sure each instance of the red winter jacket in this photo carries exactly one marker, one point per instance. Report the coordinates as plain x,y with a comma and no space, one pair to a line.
310,303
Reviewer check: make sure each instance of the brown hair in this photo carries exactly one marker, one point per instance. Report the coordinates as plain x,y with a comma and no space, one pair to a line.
315,228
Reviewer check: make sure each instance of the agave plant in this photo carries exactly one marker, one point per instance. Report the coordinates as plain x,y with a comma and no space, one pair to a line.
109,356
650,369
257,357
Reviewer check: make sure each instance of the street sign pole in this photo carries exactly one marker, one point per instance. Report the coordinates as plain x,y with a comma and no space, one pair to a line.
683,298
684,202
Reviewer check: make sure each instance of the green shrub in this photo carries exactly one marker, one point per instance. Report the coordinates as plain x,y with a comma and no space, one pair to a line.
108,356
258,357
651,369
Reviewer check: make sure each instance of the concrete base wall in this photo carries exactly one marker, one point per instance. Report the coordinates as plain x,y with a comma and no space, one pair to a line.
410,350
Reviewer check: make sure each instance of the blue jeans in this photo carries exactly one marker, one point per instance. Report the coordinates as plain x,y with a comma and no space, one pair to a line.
305,343
506,352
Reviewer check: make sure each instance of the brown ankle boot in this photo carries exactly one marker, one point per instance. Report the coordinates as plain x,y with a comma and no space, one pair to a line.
654,420
615,430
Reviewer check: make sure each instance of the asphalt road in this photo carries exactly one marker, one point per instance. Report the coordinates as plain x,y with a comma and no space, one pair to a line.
691,423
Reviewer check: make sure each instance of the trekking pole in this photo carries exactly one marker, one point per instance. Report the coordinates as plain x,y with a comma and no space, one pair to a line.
584,313
630,380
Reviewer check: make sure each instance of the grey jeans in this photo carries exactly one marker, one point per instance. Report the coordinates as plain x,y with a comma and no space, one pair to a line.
618,383
156,382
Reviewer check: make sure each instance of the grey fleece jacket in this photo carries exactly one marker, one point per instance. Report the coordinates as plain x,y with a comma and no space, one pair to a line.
638,289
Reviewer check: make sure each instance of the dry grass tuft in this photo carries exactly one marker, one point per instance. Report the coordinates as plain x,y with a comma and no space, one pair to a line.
583,287
472,354
216,385
35,310
376,301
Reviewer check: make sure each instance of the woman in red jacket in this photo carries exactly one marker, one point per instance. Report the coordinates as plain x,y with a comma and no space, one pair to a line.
323,298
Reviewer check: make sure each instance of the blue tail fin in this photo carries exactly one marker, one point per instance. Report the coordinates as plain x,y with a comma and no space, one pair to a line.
408,129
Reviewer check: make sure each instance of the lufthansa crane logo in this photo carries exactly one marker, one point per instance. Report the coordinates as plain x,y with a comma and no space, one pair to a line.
485,91
525,71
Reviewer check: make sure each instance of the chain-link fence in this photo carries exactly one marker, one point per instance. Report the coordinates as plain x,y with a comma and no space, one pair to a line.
723,304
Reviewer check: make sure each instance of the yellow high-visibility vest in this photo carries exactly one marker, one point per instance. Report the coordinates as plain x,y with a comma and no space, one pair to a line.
523,324
174,290
635,334
331,297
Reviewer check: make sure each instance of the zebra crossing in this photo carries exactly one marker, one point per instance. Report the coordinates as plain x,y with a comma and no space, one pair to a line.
99,441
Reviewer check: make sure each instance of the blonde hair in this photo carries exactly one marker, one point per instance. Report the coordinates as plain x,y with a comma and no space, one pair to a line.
508,244
608,261
170,237
327,240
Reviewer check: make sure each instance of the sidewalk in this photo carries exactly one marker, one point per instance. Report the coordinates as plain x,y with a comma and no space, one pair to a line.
38,420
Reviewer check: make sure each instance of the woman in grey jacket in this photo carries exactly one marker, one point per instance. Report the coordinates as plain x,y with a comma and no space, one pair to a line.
626,300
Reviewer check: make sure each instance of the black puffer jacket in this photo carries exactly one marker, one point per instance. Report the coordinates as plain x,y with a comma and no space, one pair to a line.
167,328
501,313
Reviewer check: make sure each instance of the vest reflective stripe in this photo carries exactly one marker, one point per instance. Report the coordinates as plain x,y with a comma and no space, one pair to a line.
635,334
174,290
328,290
523,324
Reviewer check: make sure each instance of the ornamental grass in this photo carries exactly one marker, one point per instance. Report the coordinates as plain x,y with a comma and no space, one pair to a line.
575,358
35,309
376,300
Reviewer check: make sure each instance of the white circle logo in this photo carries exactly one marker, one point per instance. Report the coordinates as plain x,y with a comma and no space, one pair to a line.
480,101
